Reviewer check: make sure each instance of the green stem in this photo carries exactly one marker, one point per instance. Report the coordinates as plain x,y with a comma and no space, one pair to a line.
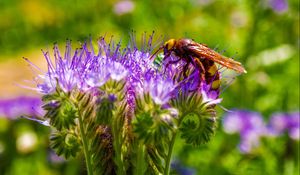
140,160
118,157
85,147
169,156
117,143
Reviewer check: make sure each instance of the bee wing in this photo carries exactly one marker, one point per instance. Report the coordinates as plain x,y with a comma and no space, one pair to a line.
202,51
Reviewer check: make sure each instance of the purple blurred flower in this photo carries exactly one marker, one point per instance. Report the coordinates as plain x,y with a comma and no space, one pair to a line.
123,7
278,123
281,122
15,107
279,6
181,169
294,126
185,171
250,139
249,125
241,120
54,158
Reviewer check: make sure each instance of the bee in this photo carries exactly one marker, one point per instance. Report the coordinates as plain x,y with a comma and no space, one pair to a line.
201,57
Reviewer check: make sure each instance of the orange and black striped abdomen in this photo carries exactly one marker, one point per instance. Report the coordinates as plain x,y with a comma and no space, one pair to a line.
211,74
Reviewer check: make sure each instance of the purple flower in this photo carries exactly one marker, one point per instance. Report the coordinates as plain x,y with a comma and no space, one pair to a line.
279,6
278,123
159,89
209,95
15,107
250,139
294,126
82,70
97,79
86,88
54,158
242,120
249,125
87,70
281,122
123,7
117,71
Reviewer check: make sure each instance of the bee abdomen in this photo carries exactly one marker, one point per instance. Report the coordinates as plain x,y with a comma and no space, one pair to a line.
212,76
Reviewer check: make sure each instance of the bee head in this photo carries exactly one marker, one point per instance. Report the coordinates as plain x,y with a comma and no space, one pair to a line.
168,46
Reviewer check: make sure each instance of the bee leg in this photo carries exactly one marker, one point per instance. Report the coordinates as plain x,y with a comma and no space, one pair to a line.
171,62
201,67
198,62
185,69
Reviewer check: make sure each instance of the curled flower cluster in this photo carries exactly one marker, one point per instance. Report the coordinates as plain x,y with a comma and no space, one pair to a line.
119,107
251,127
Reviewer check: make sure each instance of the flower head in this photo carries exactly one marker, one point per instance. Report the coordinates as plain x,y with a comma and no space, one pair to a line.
85,70
249,125
123,7
279,6
242,120
281,122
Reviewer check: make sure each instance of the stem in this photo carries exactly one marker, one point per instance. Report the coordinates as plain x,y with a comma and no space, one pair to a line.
117,144
118,157
85,148
168,161
140,160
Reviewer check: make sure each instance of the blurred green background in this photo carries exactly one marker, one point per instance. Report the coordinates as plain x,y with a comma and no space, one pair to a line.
262,34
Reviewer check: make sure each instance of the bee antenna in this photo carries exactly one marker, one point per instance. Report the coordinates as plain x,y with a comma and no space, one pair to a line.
159,49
